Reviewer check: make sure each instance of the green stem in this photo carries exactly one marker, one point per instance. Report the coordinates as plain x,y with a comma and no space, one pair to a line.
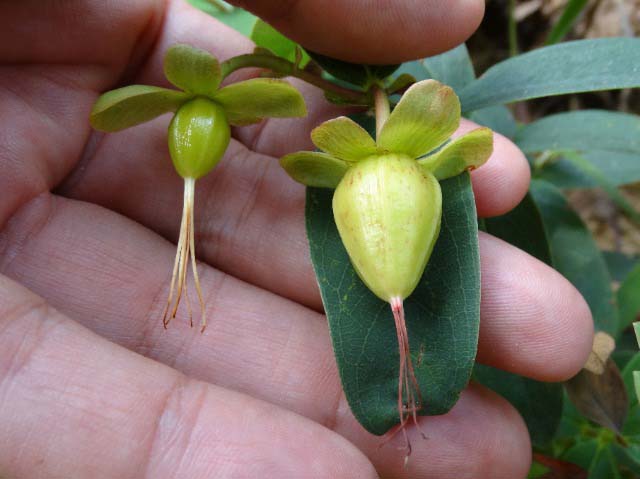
283,67
513,29
221,6
382,108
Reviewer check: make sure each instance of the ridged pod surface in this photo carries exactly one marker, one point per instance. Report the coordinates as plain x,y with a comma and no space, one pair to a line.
388,211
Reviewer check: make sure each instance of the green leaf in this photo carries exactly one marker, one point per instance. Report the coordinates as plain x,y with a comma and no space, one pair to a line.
131,105
628,296
620,264
354,73
628,374
344,138
424,118
575,254
234,17
464,153
620,167
523,228
539,404
442,315
453,68
601,180
499,118
570,14
570,67
250,101
193,70
582,130
314,169
265,36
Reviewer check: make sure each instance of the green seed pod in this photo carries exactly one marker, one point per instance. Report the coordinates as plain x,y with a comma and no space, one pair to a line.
388,210
198,137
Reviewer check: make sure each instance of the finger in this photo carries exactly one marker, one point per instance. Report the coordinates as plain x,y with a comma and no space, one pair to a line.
256,343
101,267
75,405
354,30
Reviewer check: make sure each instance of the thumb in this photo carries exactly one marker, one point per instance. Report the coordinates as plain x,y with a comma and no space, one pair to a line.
372,31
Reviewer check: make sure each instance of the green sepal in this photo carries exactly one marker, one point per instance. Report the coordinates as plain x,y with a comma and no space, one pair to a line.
401,82
252,100
193,70
467,152
314,169
131,105
198,137
344,138
424,118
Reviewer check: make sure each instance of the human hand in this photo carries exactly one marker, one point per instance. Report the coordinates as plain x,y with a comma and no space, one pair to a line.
87,221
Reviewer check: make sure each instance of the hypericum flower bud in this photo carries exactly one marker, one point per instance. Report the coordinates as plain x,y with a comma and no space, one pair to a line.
198,137
388,204
388,210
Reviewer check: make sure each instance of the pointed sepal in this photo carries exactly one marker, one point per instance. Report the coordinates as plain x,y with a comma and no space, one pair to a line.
252,100
424,118
314,169
464,153
344,138
193,70
131,105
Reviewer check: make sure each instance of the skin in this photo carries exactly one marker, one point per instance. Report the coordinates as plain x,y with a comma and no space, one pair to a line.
90,383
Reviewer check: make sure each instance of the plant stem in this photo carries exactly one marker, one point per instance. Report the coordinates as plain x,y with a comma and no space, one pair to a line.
382,108
513,29
283,67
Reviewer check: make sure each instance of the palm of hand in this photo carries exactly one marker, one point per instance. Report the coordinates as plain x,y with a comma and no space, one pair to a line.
258,394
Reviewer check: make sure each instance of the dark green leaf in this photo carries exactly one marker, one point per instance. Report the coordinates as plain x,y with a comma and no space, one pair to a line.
620,264
523,228
265,36
499,118
353,73
442,313
539,404
571,67
628,297
131,105
575,254
453,68
601,180
583,130
627,374
620,167
570,14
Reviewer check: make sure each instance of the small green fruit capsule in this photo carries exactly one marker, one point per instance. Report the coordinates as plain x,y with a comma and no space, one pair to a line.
388,215
198,137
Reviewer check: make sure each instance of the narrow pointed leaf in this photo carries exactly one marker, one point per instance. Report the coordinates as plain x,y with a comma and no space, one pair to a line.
569,67
314,169
192,69
424,118
131,105
265,36
442,314
344,138
464,153
250,101
628,296
453,68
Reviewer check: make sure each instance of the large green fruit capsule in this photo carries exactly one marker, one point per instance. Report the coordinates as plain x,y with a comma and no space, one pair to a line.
198,137
388,213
